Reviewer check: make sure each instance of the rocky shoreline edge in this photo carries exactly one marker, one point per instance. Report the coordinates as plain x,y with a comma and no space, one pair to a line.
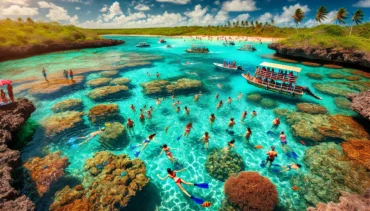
347,58
9,53
12,118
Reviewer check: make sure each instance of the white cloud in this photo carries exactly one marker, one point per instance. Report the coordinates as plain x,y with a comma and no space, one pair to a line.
265,17
200,17
241,17
175,1
329,18
113,11
77,8
198,12
73,19
362,3
56,13
141,7
285,18
104,9
16,10
239,6
17,2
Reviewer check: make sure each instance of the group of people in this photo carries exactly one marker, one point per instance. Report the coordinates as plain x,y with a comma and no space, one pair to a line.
5,100
66,74
230,65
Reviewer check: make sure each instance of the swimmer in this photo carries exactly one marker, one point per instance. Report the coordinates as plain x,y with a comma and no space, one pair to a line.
240,96
147,141
158,102
176,103
91,135
275,123
130,125
219,105
166,129
178,109
173,97
187,111
205,138
169,154
144,107
196,97
149,114
151,108
248,134
244,115
291,166
254,114
216,96
271,156
230,145
219,86
142,116
188,128
188,63
132,107
229,100
284,142
212,119
231,123
148,74
157,74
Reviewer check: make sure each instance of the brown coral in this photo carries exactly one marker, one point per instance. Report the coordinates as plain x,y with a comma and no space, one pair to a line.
102,113
358,150
251,191
311,108
61,122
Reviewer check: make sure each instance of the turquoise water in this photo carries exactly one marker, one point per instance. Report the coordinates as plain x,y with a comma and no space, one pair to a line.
188,152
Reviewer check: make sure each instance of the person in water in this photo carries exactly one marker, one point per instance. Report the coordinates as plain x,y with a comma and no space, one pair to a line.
176,103
149,114
187,111
284,142
166,129
217,96
230,145
71,74
91,135
291,166
148,74
275,123
142,116
271,156
229,100
188,128
132,107
158,101
178,109
147,141
248,134
205,138
44,74
130,125
169,154
219,104
240,96
254,114
231,123
157,74
244,115
212,119
196,97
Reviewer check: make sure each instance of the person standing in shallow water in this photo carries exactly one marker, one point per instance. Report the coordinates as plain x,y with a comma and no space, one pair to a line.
44,74
65,73
271,156
71,74
9,87
212,119
188,128
248,134
130,125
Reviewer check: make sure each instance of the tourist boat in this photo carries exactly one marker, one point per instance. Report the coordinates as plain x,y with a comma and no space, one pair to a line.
142,45
247,48
276,78
161,41
225,66
197,49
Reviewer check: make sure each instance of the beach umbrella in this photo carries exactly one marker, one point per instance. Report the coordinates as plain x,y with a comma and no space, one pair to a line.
4,82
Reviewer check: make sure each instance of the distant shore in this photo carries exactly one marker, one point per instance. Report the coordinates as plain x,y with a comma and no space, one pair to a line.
206,37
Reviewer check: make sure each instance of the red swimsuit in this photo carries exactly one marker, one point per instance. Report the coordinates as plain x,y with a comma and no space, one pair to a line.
174,177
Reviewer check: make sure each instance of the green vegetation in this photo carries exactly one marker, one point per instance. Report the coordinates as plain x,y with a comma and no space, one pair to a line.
19,33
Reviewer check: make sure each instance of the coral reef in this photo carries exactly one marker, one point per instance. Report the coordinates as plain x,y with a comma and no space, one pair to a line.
103,113
282,112
333,66
107,92
314,76
268,103
99,82
165,87
254,97
45,171
109,73
347,202
358,151
353,78
54,85
311,108
61,122
251,191
221,164
12,118
329,168
336,76
68,105
120,81
114,136
342,102
110,183
361,103
333,89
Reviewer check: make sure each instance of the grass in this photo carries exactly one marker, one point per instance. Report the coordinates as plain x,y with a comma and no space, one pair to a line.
15,33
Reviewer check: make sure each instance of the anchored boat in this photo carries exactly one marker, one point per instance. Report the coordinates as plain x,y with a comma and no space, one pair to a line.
142,45
278,78
161,41
229,66
197,49
247,48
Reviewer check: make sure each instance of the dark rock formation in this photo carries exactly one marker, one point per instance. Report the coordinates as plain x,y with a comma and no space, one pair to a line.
352,58
12,118
361,103
8,53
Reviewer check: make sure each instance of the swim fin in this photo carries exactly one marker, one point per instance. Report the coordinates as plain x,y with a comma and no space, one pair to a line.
137,154
294,155
262,164
74,146
196,200
178,138
276,165
275,170
201,185
71,140
270,133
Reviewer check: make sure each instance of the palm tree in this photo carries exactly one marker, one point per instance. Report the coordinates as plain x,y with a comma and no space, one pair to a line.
29,20
298,17
242,23
341,16
246,23
252,23
357,17
228,24
20,20
237,24
321,14
272,22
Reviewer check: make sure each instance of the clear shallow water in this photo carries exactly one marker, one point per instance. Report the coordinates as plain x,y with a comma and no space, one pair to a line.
188,151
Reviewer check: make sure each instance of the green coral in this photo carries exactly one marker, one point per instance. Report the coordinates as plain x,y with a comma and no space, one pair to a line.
314,76
25,134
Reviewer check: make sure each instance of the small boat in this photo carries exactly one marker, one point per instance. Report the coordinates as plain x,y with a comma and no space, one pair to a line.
224,66
168,46
142,45
197,49
161,41
278,78
231,43
247,48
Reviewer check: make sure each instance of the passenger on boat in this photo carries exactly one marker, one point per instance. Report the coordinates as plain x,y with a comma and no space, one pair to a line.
257,69
228,64
224,64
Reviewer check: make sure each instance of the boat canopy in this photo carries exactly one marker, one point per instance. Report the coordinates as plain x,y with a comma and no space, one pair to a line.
281,67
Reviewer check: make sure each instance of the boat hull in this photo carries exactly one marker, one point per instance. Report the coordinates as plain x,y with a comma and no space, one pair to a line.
187,51
144,46
221,67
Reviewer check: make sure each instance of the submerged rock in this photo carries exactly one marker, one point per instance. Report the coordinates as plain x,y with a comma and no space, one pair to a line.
254,97
114,136
109,73
68,105
107,92
120,81
314,76
54,86
311,108
100,114
342,102
61,122
361,103
336,76
104,187
45,171
358,151
164,87
311,64
99,82
221,164
268,103
333,89
353,78
282,112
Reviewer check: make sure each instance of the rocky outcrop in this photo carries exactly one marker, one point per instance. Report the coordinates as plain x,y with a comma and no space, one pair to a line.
100,114
347,202
165,87
60,122
105,92
353,58
99,82
8,53
361,103
68,105
12,118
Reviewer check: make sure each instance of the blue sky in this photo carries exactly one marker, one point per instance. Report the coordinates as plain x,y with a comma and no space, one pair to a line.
164,13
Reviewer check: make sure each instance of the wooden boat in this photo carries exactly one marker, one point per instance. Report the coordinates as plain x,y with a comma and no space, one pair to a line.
197,49
275,78
142,45
231,69
161,41
247,48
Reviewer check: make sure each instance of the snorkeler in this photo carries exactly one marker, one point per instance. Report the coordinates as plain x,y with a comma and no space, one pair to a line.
188,128
178,109
145,143
130,125
240,96
284,142
291,166
212,119
248,134
244,115
271,156
91,135
219,104
205,138
169,154
275,123
187,111
132,107
230,145
229,100
254,114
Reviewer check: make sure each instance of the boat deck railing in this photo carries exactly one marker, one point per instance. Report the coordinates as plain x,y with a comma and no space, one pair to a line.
276,86
276,76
